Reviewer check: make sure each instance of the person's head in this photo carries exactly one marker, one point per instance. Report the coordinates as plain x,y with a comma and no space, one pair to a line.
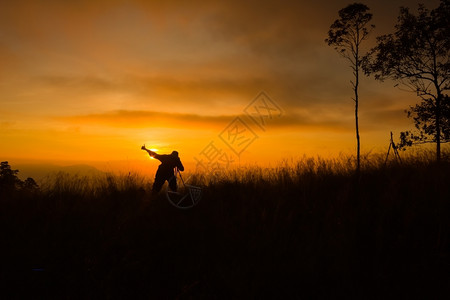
175,153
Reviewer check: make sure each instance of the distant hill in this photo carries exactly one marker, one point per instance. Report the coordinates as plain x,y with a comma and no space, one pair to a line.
40,171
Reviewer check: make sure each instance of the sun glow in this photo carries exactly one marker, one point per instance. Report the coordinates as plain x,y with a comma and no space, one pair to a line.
154,150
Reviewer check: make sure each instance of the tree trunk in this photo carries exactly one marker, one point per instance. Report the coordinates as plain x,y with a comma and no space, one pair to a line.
358,145
438,127
358,156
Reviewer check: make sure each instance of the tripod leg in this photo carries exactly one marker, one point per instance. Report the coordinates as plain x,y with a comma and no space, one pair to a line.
181,177
387,155
397,154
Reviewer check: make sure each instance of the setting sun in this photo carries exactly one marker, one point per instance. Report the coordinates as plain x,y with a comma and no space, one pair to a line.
154,150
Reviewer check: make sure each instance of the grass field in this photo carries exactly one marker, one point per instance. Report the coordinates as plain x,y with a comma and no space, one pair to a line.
307,229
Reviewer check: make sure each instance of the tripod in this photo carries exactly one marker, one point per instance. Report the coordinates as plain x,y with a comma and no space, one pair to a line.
186,195
394,149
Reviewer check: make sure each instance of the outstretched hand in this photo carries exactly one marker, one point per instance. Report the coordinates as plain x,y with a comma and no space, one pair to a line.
143,147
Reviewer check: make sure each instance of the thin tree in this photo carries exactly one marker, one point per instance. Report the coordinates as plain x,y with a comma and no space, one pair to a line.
346,35
417,56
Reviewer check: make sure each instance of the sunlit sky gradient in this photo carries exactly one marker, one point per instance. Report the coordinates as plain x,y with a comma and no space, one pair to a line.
86,81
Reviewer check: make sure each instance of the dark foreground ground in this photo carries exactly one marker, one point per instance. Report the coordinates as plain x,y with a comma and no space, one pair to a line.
302,232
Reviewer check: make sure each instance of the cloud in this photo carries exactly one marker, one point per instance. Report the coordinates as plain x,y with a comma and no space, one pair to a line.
385,118
4,125
194,50
146,119
88,82
143,119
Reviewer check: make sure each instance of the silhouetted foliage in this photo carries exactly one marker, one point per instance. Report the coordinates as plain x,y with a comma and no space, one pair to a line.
8,177
346,35
30,184
9,182
417,56
423,115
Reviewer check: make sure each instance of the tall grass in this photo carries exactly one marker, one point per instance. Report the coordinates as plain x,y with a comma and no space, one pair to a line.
305,229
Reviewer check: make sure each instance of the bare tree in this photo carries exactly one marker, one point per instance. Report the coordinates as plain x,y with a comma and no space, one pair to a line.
346,35
417,56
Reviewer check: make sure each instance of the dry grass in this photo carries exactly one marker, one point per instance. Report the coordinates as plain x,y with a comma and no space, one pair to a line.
306,229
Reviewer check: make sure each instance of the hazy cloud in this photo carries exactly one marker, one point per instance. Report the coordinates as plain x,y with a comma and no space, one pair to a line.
143,119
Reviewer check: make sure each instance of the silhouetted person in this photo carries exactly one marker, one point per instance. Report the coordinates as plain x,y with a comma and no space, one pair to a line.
166,169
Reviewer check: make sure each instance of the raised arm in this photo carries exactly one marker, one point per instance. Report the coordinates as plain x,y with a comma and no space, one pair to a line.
150,152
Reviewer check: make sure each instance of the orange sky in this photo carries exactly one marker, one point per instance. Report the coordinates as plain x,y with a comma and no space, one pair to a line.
87,81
